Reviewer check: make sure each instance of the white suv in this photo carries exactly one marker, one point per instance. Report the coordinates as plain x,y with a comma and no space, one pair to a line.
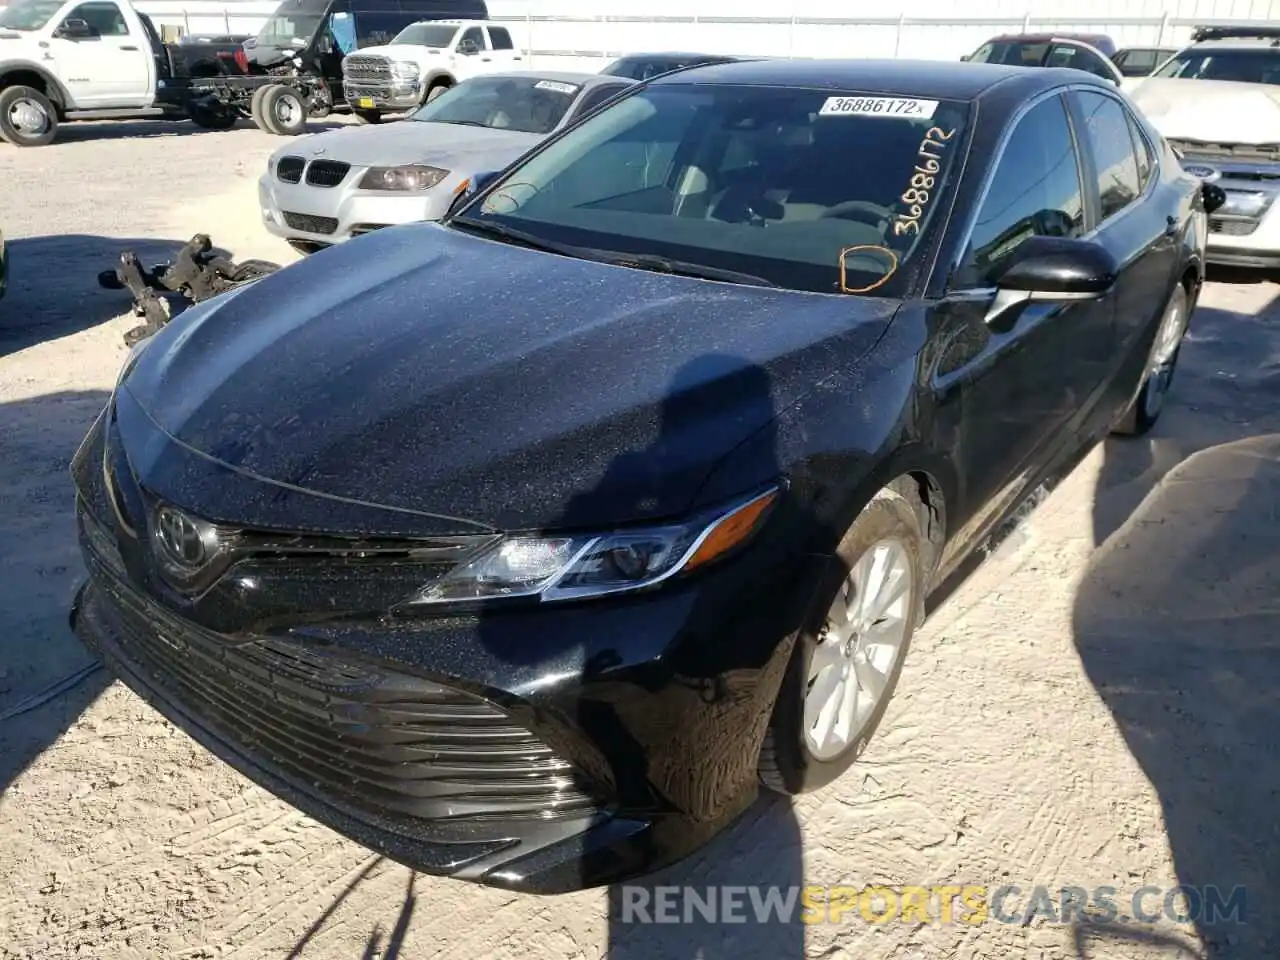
423,61
1217,102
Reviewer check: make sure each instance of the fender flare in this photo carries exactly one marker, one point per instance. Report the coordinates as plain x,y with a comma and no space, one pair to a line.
438,74
55,90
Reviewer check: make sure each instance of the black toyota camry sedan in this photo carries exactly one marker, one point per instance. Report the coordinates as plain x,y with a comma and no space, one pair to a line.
525,546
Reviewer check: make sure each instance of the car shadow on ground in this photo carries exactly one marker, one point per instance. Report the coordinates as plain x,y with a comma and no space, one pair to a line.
92,130
1177,624
53,285
47,678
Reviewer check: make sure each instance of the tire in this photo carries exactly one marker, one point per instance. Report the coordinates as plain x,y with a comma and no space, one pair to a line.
286,110
1157,375
889,527
367,116
27,118
212,118
260,120
436,90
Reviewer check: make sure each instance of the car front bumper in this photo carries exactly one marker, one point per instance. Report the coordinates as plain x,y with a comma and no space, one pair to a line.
539,748
328,215
394,94
1245,232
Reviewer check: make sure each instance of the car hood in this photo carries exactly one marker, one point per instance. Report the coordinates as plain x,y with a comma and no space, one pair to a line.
1214,111
422,369
415,141
408,52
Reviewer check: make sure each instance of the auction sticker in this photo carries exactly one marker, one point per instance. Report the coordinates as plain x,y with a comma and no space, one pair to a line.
878,107
555,85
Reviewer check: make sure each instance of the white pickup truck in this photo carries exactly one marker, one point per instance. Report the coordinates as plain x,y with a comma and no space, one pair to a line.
423,61
64,60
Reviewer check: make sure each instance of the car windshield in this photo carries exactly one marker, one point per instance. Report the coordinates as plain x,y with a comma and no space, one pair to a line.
426,35
529,104
28,14
1241,66
1012,53
293,29
809,190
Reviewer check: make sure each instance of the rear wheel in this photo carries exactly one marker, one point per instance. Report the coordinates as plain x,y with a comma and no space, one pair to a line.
436,90
846,661
260,120
212,118
368,116
285,110
27,118
1157,376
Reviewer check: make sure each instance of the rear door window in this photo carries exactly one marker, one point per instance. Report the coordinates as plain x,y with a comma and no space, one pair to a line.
1106,130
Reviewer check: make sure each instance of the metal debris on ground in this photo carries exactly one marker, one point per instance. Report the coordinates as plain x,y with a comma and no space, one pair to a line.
197,273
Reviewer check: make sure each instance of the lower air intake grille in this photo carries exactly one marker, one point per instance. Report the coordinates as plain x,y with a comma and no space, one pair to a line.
310,224
1232,228
382,741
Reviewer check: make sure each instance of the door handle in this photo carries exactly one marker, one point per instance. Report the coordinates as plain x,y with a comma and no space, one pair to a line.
128,46
485,59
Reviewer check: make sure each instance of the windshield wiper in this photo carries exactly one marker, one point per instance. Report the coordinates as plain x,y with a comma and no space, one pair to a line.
462,123
519,237
681,268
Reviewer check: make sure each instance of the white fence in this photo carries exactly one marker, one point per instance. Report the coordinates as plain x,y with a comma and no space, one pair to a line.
587,42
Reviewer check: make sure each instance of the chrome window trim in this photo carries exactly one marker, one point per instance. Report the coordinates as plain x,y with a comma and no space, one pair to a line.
1003,143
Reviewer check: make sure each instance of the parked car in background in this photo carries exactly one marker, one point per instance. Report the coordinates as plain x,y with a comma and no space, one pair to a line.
332,186
1140,61
95,60
642,66
525,545
1080,51
1217,102
293,66
423,61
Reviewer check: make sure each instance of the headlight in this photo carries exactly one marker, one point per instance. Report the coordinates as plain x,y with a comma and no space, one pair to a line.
573,567
1243,204
413,178
405,68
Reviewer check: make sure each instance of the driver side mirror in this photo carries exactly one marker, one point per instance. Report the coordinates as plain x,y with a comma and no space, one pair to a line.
1050,270
1212,196
965,58
324,44
76,29
468,48
474,186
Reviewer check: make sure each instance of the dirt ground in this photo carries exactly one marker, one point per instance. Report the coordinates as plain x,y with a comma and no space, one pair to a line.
1096,706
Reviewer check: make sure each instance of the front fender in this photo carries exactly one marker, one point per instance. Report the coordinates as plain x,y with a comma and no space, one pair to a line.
54,89
438,74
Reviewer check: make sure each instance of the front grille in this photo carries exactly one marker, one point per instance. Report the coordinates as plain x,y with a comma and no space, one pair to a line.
327,173
289,169
1232,228
379,740
367,68
308,223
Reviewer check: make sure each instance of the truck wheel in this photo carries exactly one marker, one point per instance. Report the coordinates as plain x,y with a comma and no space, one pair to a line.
27,118
255,110
368,116
212,118
435,91
284,109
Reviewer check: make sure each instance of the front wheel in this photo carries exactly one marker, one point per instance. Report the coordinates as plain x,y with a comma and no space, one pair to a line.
212,118
1157,375
436,91
27,118
283,110
847,659
368,116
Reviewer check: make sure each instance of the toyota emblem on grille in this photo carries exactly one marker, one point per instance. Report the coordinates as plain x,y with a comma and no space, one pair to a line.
184,542
1201,171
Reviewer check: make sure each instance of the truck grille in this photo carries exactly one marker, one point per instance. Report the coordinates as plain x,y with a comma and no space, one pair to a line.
1232,228
367,68
327,173
289,169
309,223
379,740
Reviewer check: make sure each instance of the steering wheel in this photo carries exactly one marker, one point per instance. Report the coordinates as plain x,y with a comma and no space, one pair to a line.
862,210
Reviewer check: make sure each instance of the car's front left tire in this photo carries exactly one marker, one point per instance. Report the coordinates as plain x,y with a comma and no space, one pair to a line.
27,117
848,656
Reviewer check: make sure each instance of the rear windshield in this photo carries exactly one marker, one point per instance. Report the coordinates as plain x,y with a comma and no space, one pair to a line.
529,104
816,190
1012,53
1241,66
426,35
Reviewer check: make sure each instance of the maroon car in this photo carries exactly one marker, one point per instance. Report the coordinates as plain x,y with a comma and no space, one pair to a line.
1091,52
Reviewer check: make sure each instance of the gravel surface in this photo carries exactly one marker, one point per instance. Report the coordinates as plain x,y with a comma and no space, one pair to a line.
1096,706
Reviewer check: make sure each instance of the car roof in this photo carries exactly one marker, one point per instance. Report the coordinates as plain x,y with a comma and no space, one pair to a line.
673,55
1236,43
935,79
